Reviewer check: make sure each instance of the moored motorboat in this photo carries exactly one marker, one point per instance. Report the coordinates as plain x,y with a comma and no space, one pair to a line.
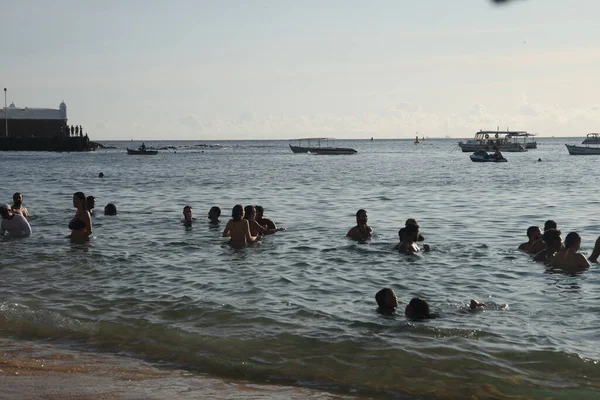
483,156
142,150
319,146
582,150
508,141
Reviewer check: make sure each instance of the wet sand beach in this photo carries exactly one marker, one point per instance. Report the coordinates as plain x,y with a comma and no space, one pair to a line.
31,370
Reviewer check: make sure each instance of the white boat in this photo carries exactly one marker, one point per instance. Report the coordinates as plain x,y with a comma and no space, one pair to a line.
592,138
582,150
507,141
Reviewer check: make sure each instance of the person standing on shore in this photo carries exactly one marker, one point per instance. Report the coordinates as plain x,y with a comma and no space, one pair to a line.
14,224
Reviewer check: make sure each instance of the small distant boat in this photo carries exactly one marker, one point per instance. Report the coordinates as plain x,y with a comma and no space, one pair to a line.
483,156
592,138
142,150
314,146
417,139
582,150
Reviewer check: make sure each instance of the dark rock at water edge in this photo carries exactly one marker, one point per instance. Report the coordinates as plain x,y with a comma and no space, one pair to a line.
57,143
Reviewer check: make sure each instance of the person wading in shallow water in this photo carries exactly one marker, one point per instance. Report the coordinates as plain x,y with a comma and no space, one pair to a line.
361,231
13,223
238,228
81,224
18,207
534,234
570,258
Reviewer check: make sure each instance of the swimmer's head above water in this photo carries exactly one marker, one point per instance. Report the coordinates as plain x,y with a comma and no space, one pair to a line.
418,309
249,212
386,299
79,200
214,213
90,202
17,199
5,211
573,241
110,209
237,213
550,224
534,233
361,217
187,214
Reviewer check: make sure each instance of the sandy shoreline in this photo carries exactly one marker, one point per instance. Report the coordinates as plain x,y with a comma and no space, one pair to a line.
31,370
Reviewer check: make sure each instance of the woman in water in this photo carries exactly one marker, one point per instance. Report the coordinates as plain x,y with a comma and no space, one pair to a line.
569,258
18,207
255,228
81,224
238,228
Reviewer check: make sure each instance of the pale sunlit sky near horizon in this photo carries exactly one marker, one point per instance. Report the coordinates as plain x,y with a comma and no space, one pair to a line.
278,69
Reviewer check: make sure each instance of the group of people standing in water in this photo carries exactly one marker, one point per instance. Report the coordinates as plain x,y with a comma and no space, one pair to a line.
246,226
409,235
547,248
550,249
15,218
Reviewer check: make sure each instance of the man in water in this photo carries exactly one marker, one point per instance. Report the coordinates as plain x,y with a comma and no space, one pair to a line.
570,258
409,237
214,213
187,216
386,300
534,234
539,244
18,207
260,211
361,231
14,224
553,244
90,203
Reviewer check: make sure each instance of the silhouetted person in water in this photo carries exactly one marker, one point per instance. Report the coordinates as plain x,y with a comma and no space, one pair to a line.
387,301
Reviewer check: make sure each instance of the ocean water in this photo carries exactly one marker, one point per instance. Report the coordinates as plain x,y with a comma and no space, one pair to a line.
299,308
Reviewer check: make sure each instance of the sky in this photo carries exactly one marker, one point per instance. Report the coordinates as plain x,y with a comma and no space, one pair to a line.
280,69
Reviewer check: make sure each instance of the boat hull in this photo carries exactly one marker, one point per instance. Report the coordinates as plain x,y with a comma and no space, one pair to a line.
322,150
333,150
476,159
583,150
507,148
142,152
